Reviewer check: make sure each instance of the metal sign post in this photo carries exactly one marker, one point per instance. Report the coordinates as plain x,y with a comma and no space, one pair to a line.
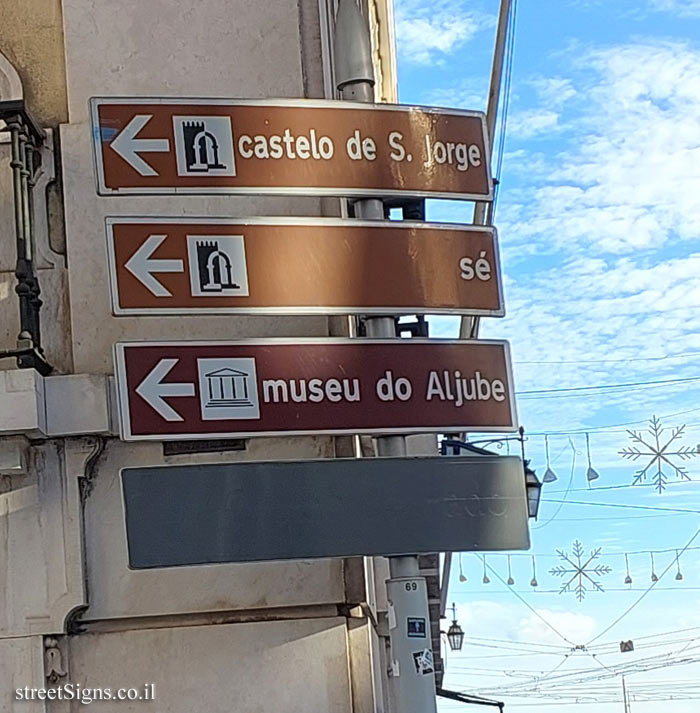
413,671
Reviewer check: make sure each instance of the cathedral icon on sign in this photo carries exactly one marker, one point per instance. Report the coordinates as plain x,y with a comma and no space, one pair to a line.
201,148
217,266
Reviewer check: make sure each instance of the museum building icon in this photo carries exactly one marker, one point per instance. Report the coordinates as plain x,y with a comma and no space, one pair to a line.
226,388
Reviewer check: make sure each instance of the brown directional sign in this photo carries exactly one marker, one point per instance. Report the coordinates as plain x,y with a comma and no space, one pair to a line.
288,147
189,390
303,266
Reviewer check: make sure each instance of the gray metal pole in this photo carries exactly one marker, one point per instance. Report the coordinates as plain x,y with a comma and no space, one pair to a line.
412,669
625,700
469,327
445,582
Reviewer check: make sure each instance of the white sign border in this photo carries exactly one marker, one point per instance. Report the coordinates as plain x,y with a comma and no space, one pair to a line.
119,311
123,393
103,190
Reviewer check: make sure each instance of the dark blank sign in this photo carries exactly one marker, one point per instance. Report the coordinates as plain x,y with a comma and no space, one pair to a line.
252,511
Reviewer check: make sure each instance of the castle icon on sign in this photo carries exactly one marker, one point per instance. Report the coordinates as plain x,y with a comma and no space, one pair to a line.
204,146
201,148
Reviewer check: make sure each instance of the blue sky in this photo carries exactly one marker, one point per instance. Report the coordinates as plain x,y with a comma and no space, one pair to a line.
599,226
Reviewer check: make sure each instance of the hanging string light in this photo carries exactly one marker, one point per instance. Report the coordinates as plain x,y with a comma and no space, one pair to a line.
533,581
549,475
580,567
462,578
591,473
510,581
654,576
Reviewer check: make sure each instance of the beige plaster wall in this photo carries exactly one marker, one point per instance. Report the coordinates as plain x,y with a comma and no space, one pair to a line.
116,591
22,665
31,37
296,666
224,48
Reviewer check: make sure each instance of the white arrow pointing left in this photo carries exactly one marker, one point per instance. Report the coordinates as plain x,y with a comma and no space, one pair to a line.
142,266
152,390
129,147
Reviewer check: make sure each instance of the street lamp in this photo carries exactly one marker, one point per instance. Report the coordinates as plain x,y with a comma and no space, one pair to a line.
534,490
532,485
455,635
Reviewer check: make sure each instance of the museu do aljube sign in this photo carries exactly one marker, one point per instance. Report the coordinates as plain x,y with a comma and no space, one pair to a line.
190,390
295,147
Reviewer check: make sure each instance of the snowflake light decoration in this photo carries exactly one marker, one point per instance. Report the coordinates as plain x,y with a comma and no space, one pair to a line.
581,572
658,454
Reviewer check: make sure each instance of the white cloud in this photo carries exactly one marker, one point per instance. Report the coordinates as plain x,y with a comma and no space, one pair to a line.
427,32
684,8
600,242
578,628
466,94
554,91
630,175
528,124
482,617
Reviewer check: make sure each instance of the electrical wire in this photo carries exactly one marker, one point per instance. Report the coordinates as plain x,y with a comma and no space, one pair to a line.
610,386
622,486
528,555
640,599
612,428
600,683
491,639
508,72
680,355
528,605
536,684
566,492
577,391
592,429
541,592
621,505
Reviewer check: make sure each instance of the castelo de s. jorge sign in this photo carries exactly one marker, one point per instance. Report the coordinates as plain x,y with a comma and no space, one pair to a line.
290,147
